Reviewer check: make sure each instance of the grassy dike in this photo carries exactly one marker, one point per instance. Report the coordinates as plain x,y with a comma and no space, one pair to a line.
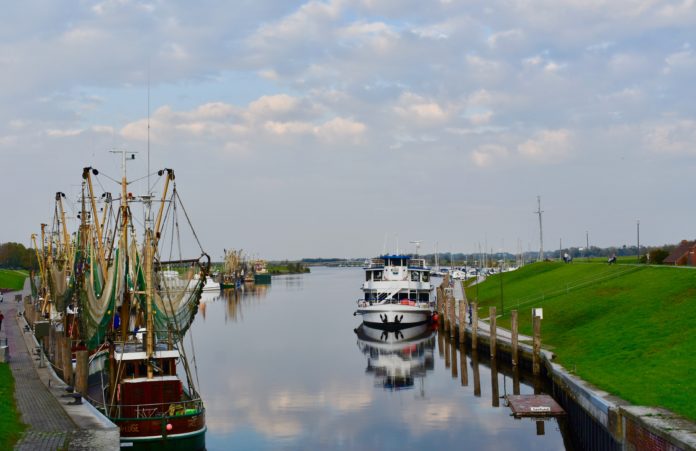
629,330
12,279
10,426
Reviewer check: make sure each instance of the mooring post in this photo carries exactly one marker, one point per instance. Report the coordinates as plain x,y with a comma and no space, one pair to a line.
495,390
81,372
514,327
58,359
453,317
462,322
474,325
445,315
455,366
493,330
447,352
475,370
536,358
67,361
440,344
463,370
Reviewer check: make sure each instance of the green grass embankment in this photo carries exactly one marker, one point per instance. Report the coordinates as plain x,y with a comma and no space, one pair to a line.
10,426
630,330
12,279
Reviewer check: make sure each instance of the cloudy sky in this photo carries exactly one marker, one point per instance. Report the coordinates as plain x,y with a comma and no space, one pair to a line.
319,128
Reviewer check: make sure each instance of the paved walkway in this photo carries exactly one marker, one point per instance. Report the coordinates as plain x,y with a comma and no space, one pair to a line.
50,426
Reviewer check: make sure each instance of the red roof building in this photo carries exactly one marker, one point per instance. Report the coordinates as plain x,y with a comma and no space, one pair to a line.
683,255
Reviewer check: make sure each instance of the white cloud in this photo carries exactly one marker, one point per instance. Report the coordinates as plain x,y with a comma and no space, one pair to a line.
675,137
547,146
419,109
488,154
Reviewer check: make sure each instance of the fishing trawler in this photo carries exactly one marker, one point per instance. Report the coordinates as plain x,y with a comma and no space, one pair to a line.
396,292
128,302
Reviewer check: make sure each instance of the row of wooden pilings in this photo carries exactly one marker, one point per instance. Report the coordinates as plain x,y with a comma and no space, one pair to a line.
59,349
452,316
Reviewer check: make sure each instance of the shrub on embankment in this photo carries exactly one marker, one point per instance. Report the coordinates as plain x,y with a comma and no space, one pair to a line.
629,330
10,426
12,280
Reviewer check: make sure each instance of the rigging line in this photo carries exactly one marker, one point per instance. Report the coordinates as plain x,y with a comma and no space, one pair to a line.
189,220
142,178
176,225
118,182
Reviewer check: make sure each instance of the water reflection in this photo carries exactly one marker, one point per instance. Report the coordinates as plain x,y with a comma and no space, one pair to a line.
397,358
235,300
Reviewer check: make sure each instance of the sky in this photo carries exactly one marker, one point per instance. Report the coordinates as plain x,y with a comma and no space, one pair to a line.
341,128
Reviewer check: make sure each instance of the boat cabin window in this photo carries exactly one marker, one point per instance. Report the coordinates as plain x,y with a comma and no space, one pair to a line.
426,276
377,275
415,276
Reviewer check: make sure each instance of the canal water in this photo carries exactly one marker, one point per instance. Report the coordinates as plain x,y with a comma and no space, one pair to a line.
283,367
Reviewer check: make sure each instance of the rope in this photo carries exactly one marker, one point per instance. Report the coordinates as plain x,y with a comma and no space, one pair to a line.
187,219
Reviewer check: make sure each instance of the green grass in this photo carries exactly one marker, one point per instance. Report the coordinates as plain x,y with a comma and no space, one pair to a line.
12,279
630,330
10,426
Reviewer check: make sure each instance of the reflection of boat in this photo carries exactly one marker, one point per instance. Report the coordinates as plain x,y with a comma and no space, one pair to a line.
397,357
396,292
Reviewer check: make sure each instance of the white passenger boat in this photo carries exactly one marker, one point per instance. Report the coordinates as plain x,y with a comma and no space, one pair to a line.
396,292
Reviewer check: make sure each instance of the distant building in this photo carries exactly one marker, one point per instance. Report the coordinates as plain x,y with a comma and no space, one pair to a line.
683,255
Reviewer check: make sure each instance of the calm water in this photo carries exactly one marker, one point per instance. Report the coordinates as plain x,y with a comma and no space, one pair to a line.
283,368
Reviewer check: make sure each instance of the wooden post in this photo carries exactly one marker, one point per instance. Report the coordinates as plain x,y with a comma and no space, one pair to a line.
67,361
477,375
515,380
536,358
495,390
81,372
453,317
493,331
462,322
455,367
447,352
474,325
513,326
58,359
440,344
445,315
463,370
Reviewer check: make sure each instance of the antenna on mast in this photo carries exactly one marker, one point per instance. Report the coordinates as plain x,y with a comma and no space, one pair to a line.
417,243
541,232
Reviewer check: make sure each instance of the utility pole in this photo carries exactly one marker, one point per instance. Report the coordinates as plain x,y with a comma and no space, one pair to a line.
587,245
541,232
560,249
638,233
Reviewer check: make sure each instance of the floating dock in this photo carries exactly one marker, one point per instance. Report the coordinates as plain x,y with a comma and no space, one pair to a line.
534,406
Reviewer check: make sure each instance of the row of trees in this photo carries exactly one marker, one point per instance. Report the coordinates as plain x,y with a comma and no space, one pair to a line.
16,256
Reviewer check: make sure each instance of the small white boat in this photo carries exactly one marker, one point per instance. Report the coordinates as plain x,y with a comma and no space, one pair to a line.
396,292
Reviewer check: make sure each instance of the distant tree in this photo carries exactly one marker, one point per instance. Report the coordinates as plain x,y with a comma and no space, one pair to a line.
15,255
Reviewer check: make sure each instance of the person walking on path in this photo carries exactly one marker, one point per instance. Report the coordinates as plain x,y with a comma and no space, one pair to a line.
2,317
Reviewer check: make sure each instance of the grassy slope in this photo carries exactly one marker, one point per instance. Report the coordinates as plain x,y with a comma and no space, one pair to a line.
10,426
12,279
632,334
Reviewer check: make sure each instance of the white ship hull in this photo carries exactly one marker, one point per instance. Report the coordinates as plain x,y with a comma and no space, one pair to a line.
394,316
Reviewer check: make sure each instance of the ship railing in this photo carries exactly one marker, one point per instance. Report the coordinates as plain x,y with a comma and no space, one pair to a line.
154,410
412,302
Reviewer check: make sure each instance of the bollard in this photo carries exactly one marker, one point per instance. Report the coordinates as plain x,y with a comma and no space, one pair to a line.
81,372
536,358
493,331
67,361
514,327
474,325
